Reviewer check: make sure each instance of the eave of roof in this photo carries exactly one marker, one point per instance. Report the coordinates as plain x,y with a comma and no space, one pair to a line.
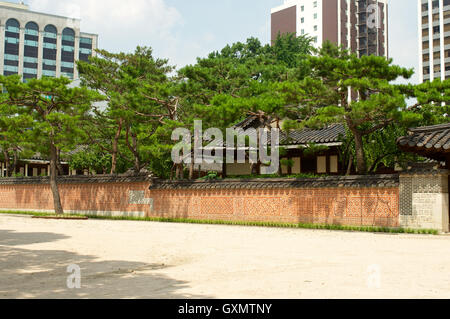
429,141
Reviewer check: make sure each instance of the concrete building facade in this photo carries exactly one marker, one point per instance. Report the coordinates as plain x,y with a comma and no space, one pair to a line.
434,39
35,44
358,25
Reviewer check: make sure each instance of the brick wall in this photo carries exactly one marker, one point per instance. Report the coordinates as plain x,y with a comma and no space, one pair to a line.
371,206
98,196
335,200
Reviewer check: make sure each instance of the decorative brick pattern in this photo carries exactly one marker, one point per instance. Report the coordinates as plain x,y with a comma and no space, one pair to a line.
290,201
340,206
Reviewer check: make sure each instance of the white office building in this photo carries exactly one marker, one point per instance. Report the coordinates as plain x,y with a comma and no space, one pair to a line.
35,44
434,39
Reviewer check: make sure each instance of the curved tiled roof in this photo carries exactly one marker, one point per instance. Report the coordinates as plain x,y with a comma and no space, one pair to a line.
333,133
430,141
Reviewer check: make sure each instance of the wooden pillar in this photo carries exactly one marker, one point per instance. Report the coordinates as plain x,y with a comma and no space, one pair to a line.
26,170
224,169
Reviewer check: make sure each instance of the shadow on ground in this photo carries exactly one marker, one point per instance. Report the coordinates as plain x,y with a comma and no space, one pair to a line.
33,273
12,238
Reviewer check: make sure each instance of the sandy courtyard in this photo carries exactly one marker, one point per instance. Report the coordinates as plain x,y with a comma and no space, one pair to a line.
126,259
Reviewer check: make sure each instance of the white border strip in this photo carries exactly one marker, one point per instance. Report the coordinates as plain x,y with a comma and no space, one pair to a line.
82,212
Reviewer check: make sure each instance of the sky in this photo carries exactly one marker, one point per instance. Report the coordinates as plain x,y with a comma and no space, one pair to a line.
182,30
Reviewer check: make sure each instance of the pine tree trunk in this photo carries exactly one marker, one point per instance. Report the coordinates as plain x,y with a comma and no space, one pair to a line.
116,148
137,162
7,163
15,162
53,181
350,164
58,163
179,172
191,170
360,155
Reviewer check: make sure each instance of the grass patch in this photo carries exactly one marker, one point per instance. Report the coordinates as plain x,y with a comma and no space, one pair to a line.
370,229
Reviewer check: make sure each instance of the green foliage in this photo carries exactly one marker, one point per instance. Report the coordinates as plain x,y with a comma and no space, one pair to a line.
313,149
141,109
374,104
302,175
287,162
91,158
51,110
211,176
222,88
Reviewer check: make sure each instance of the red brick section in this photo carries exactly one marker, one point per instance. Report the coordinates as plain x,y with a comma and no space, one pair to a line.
370,206
80,197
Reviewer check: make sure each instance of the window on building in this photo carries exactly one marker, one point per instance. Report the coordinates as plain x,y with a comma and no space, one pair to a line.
49,51
436,17
31,43
435,4
85,49
68,53
315,28
11,55
334,164
321,164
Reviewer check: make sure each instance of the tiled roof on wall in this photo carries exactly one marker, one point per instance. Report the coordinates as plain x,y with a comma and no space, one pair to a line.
276,183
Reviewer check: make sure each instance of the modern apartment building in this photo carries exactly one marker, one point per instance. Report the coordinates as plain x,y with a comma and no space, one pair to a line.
434,39
358,25
35,44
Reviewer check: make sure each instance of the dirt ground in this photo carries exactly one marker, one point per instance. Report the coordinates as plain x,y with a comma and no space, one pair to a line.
127,259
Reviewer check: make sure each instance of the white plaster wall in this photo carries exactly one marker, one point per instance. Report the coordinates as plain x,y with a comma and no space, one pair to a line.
430,211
